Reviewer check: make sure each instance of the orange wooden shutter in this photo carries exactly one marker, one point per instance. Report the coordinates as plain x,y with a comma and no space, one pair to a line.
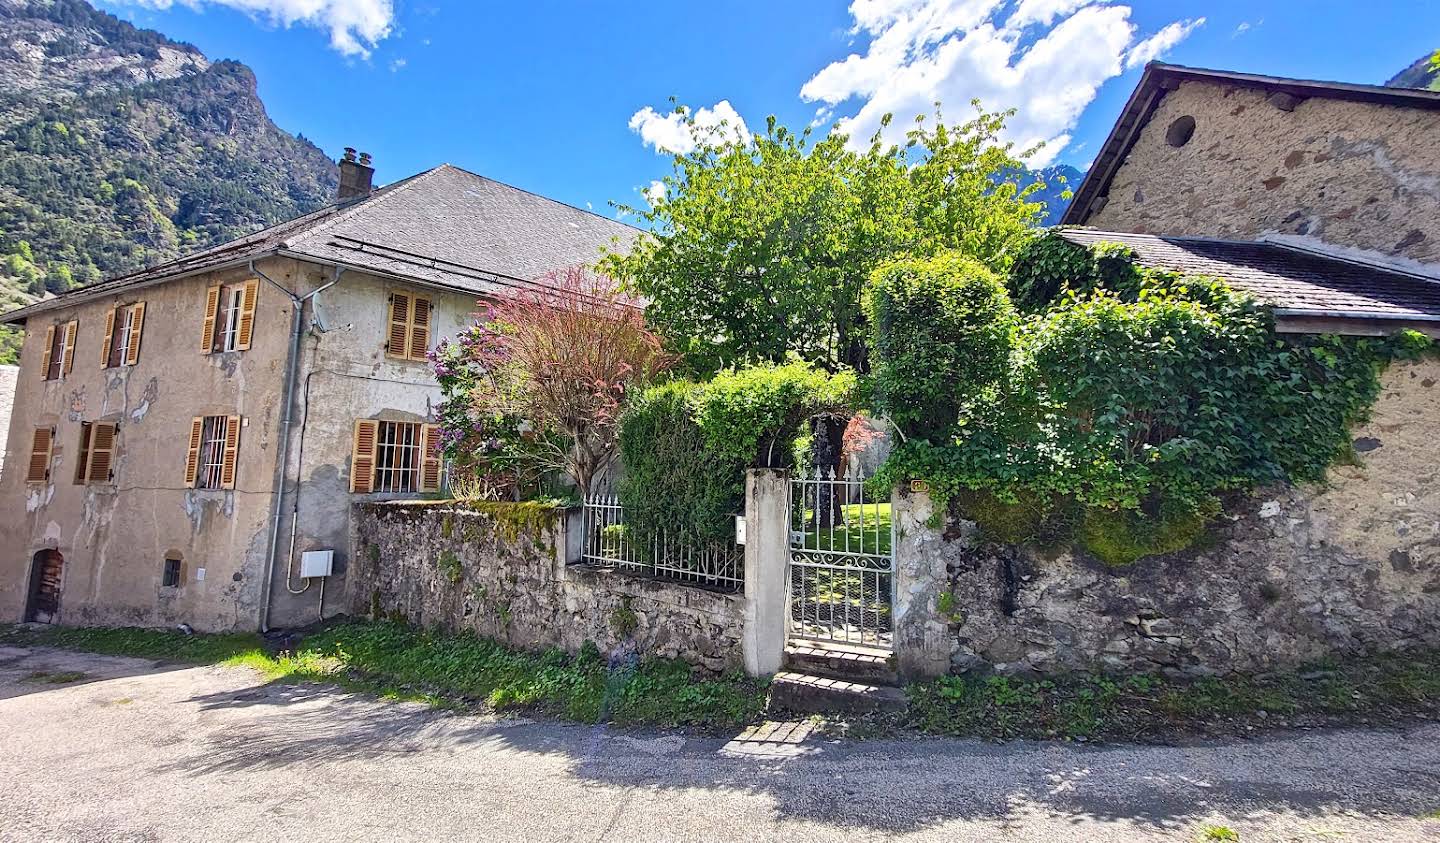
430,458
247,314
49,352
192,460
40,456
212,312
228,463
399,325
82,464
72,329
109,337
419,328
102,450
137,323
362,456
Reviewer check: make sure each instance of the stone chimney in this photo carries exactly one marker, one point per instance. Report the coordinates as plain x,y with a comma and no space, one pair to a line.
356,176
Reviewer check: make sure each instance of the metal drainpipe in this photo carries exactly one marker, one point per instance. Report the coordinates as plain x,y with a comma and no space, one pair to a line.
283,470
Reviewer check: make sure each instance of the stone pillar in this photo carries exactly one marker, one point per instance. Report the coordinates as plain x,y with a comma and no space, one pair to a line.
767,558
922,637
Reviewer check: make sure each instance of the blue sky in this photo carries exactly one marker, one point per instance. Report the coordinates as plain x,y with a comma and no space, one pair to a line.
550,96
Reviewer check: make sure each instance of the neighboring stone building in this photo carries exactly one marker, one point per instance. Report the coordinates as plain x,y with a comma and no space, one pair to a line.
1320,200
156,473
1211,153
9,376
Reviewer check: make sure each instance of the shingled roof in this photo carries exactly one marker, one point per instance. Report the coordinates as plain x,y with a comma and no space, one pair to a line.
446,227
1295,282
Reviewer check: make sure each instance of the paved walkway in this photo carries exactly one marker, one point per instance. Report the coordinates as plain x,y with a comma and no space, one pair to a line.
134,751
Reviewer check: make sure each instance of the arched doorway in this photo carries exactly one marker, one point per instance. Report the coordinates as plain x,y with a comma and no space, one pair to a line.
43,604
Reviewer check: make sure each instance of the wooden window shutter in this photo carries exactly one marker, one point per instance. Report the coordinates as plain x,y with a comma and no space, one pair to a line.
82,465
102,450
137,323
247,314
430,457
40,455
419,328
229,462
362,456
192,460
49,352
395,346
212,312
72,330
109,338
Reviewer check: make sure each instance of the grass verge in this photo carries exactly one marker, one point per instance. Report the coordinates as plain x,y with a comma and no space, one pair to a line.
1380,689
453,671
466,672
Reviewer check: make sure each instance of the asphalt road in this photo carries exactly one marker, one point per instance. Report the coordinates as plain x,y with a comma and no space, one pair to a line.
137,751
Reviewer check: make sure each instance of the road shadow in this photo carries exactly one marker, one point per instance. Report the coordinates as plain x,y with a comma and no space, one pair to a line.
874,785
36,670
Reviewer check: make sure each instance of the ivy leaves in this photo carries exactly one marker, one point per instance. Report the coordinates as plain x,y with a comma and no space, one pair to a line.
1130,392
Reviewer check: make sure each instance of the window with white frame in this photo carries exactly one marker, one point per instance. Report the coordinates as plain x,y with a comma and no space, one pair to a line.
232,303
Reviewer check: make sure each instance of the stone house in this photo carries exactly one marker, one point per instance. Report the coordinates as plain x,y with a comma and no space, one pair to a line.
1319,199
183,435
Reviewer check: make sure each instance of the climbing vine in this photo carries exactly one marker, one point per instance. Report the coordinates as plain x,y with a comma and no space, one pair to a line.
1132,399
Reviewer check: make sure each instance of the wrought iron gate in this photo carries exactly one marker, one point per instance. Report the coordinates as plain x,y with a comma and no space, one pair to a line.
842,569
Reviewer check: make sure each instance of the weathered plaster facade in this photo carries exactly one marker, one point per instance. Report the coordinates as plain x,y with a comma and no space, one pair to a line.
1351,174
115,537
502,574
344,375
1294,574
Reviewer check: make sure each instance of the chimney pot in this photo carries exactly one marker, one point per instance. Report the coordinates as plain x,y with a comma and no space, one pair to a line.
356,176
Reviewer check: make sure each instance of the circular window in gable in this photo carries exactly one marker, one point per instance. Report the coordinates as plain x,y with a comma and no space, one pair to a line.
1180,131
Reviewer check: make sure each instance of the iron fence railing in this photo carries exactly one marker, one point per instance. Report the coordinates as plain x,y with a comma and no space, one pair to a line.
610,541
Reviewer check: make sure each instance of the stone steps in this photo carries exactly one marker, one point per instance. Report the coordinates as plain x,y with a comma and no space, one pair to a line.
853,664
803,693
822,678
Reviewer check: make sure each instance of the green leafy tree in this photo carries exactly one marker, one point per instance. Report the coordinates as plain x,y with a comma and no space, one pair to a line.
761,249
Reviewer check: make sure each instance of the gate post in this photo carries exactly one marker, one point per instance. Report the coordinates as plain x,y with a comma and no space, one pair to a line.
767,560
921,636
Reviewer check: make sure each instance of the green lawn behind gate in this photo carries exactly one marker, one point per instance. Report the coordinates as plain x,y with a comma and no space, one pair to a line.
866,529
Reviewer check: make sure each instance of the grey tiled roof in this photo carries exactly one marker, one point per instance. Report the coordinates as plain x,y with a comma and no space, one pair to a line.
446,226
1285,278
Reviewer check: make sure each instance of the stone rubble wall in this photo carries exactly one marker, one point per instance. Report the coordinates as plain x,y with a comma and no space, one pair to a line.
503,575
1292,575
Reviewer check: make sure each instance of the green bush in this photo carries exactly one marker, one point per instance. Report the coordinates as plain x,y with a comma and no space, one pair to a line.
942,331
673,479
753,415
1125,412
1048,266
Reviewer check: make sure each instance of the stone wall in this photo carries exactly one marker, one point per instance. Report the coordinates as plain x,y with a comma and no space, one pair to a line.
1346,173
1292,575
500,570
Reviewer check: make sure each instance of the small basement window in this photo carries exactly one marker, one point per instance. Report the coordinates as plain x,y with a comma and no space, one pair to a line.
1180,131
171,576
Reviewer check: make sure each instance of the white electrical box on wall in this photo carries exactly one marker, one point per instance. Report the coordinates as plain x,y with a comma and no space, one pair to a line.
316,563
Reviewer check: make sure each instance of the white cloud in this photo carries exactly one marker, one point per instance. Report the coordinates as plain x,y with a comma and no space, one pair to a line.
655,193
396,65
355,26
1161,42
1046,59
1245,26
671,134
1042,12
